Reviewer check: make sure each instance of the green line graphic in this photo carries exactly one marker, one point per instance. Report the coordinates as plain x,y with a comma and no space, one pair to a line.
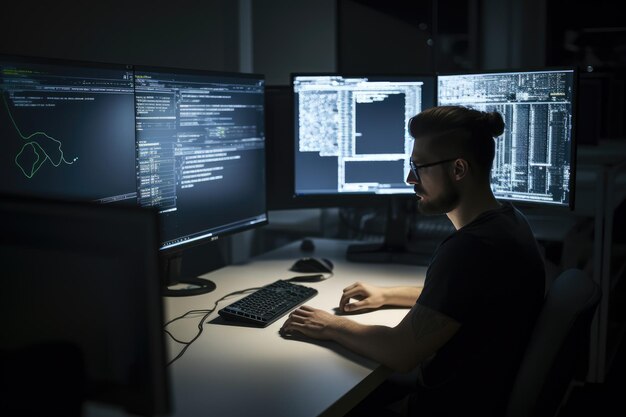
35,149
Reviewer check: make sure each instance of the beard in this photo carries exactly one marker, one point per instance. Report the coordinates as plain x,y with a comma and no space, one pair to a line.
447,201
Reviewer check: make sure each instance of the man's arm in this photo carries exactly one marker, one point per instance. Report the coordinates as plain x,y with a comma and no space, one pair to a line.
402,296
370,296
418,336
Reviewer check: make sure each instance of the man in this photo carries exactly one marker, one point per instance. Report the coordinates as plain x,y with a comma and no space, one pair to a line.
468,327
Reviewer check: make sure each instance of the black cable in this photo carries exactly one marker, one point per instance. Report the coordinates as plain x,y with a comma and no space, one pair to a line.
187,344
181,317
184,315
200,324
173,338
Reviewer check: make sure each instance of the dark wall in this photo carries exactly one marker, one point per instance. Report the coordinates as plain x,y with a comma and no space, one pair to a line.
594,39
293,36
188,34
384,37
407,37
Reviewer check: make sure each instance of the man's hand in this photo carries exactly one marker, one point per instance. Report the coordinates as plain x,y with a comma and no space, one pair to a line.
368,297
311,322
401,348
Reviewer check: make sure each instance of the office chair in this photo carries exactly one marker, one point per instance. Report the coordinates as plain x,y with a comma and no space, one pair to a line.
558,342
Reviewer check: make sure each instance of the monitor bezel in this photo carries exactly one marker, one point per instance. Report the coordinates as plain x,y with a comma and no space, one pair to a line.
574,145
345,199
44,60
200,72
176,250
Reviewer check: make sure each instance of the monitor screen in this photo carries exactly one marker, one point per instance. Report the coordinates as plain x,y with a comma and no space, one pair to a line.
351,134
80,308
535,158
67,129
200,152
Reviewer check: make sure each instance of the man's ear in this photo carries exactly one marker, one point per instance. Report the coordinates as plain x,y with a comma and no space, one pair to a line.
461,169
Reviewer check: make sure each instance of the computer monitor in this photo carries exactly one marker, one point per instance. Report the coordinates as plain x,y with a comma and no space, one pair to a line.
535,156
352,146
200,157
351,133
68,130
80,308
188,142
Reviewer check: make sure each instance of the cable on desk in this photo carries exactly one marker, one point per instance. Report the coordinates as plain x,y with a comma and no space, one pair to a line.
201,323
182,317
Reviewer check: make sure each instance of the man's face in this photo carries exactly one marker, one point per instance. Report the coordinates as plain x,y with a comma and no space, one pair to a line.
436,191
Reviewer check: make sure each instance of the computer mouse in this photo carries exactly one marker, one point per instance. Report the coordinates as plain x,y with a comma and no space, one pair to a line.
312,265
307,245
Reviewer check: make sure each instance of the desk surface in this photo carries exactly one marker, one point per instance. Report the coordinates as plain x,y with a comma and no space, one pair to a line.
245,371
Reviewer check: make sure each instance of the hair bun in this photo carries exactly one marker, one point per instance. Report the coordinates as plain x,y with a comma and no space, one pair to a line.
494,123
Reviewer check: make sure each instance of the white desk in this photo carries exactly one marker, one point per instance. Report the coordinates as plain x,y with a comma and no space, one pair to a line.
245,371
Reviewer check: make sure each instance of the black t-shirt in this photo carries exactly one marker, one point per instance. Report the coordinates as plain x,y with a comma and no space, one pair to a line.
489,276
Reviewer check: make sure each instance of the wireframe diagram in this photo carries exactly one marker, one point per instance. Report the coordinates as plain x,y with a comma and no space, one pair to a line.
534,155
67,130
38,148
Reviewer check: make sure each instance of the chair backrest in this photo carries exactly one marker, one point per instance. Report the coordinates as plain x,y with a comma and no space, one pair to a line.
560,337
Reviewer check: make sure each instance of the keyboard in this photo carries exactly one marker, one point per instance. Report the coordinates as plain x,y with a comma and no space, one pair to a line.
267,304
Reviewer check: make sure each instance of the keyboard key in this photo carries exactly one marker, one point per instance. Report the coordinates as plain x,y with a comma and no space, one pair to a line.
268,304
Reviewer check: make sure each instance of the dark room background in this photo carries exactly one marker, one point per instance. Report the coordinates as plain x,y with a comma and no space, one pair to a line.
280,37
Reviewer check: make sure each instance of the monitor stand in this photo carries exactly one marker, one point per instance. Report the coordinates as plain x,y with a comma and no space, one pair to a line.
172,264
395,248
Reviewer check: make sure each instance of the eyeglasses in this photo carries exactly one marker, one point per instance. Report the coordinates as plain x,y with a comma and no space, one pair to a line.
415,168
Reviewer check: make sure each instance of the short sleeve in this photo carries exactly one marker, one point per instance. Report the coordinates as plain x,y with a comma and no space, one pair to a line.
455,277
